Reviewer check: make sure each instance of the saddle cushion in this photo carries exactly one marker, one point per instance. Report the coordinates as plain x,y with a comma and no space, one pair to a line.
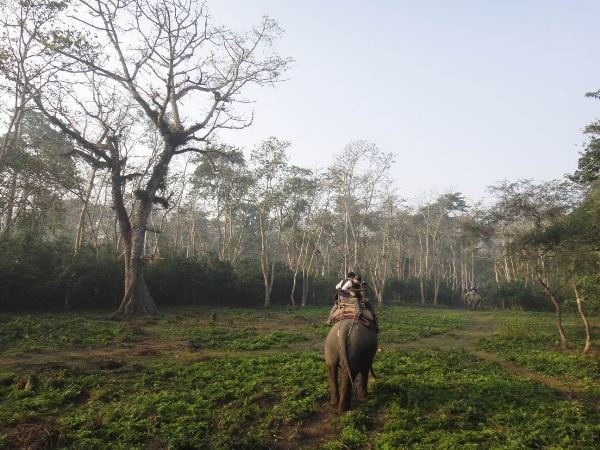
348,310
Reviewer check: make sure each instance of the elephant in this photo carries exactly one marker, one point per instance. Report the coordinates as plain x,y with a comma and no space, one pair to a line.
473,300
350,347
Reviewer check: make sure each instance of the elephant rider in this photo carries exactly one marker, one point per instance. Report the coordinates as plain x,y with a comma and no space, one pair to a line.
345,286
351,290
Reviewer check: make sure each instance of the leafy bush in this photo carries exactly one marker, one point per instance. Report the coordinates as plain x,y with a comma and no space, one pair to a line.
40,276
516,295
408,291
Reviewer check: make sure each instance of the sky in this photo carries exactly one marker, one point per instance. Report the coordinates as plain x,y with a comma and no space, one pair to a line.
464,93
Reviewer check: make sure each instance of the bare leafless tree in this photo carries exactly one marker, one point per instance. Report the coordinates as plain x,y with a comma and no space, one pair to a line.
161,60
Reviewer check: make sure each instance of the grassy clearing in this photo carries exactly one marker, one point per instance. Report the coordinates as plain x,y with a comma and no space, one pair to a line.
221,403
232,394
441,399
424,399
228,329
40,332
406,324
530,340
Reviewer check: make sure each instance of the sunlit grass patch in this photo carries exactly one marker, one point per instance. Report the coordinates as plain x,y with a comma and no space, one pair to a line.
405,324
531,340
219,403
213,337
436,399
37,332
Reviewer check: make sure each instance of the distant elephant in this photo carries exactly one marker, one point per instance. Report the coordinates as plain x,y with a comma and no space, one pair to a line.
349,350
473,299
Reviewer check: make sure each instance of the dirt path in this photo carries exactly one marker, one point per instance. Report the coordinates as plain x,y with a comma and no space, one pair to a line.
314,432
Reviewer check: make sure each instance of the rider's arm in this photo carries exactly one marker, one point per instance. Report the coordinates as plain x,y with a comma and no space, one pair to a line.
345,285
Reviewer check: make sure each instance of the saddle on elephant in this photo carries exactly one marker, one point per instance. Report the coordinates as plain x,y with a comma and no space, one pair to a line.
355,307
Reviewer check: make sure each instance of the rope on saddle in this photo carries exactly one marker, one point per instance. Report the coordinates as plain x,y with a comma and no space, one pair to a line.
355,317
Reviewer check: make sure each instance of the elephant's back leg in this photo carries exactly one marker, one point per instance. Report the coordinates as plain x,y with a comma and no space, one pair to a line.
362,358
362,349
361,387
336,364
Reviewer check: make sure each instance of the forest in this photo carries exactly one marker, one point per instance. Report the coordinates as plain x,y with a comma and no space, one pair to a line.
119,197
109,199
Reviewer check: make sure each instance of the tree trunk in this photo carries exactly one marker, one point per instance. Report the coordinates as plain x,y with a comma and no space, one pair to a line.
137,300
293,293
304,288
436,289
557,311
496,276
12,137
267,303
82,215
264,259
586,324
9,221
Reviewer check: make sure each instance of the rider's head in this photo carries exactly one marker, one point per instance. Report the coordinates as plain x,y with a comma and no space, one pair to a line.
350,275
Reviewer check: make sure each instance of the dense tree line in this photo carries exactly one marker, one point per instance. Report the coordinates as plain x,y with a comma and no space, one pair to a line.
116,192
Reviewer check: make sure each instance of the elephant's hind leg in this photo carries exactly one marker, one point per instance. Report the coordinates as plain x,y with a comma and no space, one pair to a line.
362,386
345,391
332,374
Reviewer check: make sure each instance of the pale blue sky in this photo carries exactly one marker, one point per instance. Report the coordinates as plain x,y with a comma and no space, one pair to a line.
465,93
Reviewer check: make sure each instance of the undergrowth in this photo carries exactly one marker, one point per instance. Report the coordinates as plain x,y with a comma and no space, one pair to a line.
39,332
220,403
441,399
244,399
531,340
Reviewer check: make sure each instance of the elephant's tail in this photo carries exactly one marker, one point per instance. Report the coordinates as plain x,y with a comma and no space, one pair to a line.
372,372
344,352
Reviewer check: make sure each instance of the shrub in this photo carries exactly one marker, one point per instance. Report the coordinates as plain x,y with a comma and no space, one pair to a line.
516,295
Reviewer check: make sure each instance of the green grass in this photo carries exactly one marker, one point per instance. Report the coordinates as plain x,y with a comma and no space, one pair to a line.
406,324
213,337
531,340
40,332
227,402
424,399
230,394
441,399
234,328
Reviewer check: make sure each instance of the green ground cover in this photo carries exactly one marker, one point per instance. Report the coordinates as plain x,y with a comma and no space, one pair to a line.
406,324
40,332
449,399
531,340
234,329
230,393
220,403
